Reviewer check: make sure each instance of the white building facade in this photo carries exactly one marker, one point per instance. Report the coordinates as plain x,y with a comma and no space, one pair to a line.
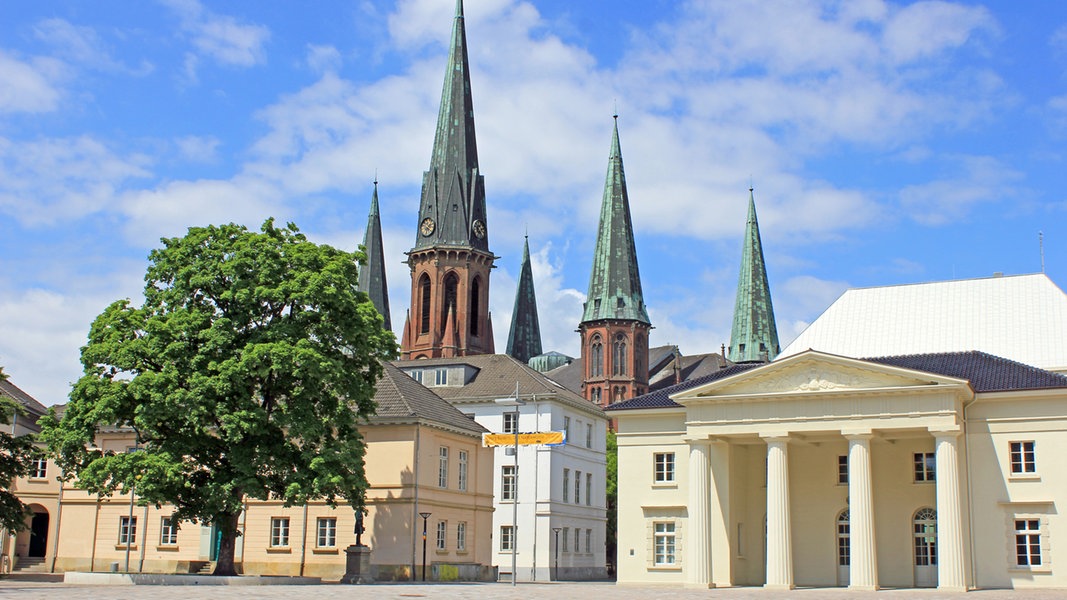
559,492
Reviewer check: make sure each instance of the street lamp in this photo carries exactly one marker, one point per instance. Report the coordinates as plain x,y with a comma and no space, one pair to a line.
516,402
424,515
555,530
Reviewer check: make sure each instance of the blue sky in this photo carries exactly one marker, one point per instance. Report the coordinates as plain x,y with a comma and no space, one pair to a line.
887,142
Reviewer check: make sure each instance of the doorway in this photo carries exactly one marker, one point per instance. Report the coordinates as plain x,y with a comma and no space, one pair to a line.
38,535
924,532
844,550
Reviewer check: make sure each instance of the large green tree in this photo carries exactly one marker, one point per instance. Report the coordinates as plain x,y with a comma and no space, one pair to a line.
244,375
612,492
16,456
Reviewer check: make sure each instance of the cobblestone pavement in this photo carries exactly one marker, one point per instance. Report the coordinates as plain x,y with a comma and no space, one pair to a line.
15,588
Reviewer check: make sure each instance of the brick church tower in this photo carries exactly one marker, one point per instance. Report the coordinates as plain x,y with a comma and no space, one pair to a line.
615,324
451,262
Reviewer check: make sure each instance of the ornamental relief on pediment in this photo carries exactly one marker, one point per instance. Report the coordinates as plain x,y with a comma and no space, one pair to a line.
813,379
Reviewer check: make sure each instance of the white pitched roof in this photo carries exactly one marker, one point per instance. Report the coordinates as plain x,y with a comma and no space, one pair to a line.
1021,317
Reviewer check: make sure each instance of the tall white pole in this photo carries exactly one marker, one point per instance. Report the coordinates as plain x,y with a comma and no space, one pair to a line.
515,504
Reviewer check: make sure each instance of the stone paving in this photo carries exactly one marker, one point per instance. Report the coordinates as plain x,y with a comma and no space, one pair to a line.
21,588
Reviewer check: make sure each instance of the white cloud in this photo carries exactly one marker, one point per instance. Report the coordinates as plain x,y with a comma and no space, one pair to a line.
29,87
322,59
198,148
222,38
924,29
61,179
982,179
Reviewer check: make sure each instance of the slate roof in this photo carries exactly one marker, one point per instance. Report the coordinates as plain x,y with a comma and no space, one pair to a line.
1023,317
661,398
15,393
754,335
987,373
496,378
400,397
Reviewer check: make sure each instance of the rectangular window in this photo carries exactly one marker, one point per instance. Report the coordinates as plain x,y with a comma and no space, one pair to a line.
1022,458
577,487
566,540
507,538
588,435
567,428
461,536
462,470
588,489
417,375
279,532
664,542
40,468
842,470
327,532
127,530
1028,542
577,539
924,466
442,467
588,541
507,482
511,422
168,532
566,486
442,535
440,376
664,467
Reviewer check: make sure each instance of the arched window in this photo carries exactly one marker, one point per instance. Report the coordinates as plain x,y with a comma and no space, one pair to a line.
618,359
843,555
451,287
594,395
596,357
424,317
475,291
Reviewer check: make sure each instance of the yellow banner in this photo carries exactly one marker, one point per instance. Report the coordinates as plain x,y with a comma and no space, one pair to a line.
543,438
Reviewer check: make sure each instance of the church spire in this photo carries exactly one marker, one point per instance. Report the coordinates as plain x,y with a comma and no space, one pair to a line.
524,340
452,211
754,336
372,275
451,262
615,283
615,324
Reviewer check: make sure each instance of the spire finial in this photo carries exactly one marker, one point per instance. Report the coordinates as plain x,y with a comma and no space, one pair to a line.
615,113
375,177
459,9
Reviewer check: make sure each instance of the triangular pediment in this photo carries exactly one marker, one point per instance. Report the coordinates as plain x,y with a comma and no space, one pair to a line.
816,373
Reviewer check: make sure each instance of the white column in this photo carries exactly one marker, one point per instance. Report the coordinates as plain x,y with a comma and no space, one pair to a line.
779,535
721,546
863,555
698,555
950,569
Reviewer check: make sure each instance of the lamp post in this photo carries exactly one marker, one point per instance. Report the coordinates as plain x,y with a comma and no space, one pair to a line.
424,515
516,402
555,530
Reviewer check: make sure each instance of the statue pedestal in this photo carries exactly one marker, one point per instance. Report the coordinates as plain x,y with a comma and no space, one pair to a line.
357,565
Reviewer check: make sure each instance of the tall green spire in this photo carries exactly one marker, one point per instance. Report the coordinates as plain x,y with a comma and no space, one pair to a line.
754,336
372,275
524,339
615,283
452,211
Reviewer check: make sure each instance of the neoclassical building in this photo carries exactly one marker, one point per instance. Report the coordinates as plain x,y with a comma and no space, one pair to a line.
936,469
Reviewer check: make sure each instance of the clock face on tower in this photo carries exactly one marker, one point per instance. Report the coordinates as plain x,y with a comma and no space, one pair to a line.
479,229
427,226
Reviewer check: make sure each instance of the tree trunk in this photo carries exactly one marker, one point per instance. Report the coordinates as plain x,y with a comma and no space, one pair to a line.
227,528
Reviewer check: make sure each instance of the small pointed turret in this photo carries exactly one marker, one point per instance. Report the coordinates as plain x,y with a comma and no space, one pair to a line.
372,275
615,324
754,336
524,339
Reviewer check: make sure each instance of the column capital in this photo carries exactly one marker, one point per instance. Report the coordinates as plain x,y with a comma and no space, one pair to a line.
858,434
696,440
950,434
775,436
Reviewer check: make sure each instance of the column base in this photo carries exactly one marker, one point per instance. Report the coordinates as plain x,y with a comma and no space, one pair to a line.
779,587
698,586
952,588
863,588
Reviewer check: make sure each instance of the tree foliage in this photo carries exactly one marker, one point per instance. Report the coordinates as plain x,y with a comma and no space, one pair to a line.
17,454
612,492
244,375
